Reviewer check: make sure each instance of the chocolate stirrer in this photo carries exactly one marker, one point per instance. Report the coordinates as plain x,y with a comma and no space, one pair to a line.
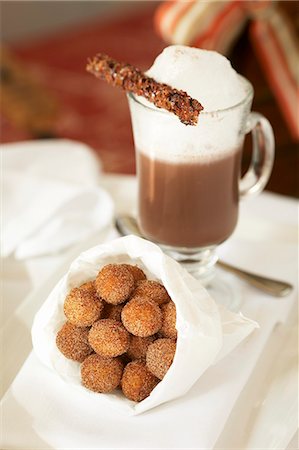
133,80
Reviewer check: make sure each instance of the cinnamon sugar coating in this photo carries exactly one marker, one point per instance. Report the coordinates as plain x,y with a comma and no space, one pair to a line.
82,307
159,356
109,338
137,381
168,328
138,346
112,311
114,283
72,342
133,80
153,290
142,317
101,374
122,331
137,273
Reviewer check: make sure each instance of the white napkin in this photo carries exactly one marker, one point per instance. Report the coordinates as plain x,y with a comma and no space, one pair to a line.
51,197
205,332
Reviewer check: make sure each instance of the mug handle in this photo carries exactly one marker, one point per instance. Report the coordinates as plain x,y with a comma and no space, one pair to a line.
263,149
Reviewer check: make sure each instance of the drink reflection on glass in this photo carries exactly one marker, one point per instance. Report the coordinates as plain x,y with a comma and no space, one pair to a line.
189,182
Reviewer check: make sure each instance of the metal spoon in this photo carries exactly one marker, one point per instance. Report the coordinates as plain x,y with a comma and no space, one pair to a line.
128,225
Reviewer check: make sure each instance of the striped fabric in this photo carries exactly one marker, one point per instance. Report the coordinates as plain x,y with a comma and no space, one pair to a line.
213,25
216,25
276,48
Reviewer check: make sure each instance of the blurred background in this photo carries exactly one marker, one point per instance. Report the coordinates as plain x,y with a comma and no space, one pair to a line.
46,92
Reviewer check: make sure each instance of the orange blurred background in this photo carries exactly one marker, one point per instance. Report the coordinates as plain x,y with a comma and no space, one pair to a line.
46,92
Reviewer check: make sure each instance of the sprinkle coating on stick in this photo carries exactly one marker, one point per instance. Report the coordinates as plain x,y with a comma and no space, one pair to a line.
134,80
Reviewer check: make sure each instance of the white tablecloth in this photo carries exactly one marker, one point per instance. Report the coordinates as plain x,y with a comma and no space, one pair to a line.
258,410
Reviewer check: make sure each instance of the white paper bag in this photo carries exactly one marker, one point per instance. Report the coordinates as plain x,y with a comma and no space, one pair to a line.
206,332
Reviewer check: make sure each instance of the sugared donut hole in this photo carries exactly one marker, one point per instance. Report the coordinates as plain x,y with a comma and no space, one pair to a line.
114,283
82,307
153,290
168,328
159,356
72,342
123,314
137,273
101,374
142,317
109,338
137,381
138,346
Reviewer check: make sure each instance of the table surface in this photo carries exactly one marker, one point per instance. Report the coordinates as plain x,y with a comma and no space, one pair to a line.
90,111
44,273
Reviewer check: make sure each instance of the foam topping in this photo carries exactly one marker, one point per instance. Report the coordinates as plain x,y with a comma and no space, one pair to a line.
208,77
205,75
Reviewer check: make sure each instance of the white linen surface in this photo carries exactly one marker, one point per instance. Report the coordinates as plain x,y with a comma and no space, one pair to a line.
51,197
40,411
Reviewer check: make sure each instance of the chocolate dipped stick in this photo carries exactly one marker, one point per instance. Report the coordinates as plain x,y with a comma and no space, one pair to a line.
133,80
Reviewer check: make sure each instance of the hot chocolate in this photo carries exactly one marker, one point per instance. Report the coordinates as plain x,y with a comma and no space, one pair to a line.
188,176
188,204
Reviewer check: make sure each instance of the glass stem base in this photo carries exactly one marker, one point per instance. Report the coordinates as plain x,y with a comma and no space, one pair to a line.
200,264
222,287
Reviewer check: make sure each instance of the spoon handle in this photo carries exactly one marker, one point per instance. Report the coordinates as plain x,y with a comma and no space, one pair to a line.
128,225
273,287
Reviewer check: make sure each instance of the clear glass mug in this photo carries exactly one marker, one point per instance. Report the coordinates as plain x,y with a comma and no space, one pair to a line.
189,182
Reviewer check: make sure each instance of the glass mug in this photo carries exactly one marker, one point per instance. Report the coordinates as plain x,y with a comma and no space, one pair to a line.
189,182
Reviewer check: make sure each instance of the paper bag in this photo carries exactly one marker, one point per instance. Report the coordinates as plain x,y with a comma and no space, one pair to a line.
206,332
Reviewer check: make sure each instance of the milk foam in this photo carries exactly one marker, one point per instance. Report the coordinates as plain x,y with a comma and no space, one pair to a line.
208,77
